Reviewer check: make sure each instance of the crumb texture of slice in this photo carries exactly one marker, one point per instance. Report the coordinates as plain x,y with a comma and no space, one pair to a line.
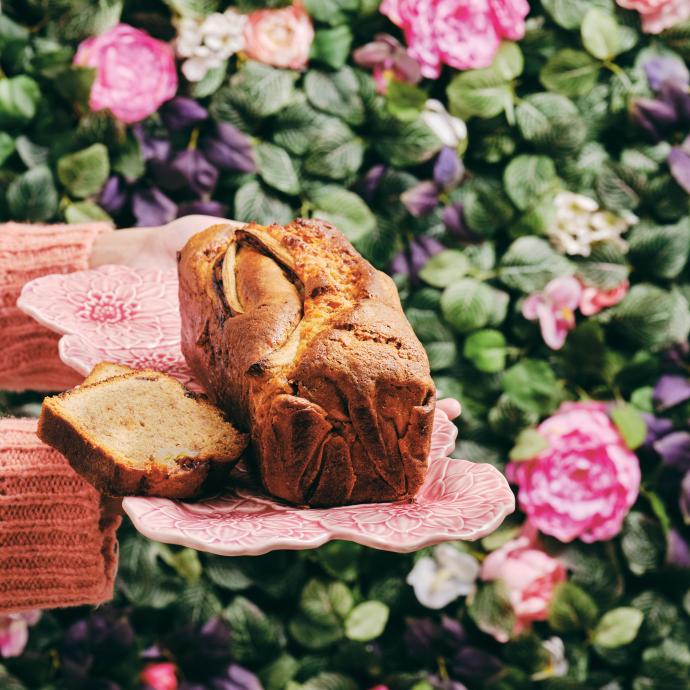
140,433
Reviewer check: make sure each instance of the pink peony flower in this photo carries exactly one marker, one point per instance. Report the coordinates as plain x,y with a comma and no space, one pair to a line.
554,307
464,34
160,676
658,15
530,576
281,38
135,73
583,485
593,300
14,632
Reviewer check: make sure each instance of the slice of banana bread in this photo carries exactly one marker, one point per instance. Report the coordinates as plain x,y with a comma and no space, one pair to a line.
141,433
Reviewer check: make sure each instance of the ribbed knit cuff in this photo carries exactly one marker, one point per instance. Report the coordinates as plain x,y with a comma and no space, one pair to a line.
57,535
28,351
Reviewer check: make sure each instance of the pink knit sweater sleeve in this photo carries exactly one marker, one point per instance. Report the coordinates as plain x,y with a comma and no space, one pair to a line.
28,351
57,535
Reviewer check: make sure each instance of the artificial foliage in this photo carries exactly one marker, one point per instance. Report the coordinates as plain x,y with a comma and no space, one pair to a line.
580,105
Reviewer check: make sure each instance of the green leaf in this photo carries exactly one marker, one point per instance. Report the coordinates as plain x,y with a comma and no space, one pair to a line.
481,93
444,268
89,18
32,195
19,97
410,144
74,85
606,267
618,627
570,72
6,146
85,212
226,573
600,34
486,206
210,82
345,209
193,8
532,384
441,354
197,603
254,202
326,604
487,350
570,13
527,178
643,543
340,559
617,187
312,634
84,172
261,90
336,93
332,46
530,263
528,445
571,609
508,61
630,424
331,11
255,638
405,101
427,325
335,159
366,621
492,611
279,673
661,251
507,418
329,681
467,304
276,168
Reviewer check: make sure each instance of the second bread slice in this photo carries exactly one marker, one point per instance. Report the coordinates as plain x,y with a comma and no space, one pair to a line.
141,434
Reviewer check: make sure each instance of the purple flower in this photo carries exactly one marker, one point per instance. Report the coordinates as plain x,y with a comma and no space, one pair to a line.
448,168
150,147
677,549
419,251
674,449
151,207
236,678
670,391
384,55
454,220
679,163
654,116
474,665
201,653
420,199
229,149
208,207
685,498
656,428
661,69
677,97
113,195
368,185
182,112
190,169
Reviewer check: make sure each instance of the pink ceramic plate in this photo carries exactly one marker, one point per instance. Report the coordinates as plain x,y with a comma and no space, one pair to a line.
129,316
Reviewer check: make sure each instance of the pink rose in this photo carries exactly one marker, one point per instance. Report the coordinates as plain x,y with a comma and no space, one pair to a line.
584,483
554,308
281,38
593,300
160,676
658,15
135,73
530,576
14,632
464,34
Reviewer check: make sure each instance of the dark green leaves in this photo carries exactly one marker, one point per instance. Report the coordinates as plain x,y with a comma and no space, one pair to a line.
408,144
254,202
660,251
85,172
255,638
527,178
261,90
32,196
572,609
532,384
600,35
276,168
345,209
643,543
491,610
366,621
444,268
332,46
487,350
19,97
468,304
336,93
618,627
570,72
530,263
630,424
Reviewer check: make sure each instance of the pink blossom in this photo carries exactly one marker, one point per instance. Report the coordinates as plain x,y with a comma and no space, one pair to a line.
593,300
658,15
388,58
554,307
530,576
464,34
583,485
14,632
281,38
135,73
160,676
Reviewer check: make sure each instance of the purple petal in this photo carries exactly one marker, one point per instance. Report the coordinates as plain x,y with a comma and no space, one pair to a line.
670,391
654,116
656,428
406,67
453,630
677,97
113,195
420,199
421,637
421,250
400,264
454,220
448,168
229,149
373,54
368,185
679,163
151,149
677,549
205,207
182,112
685,498
674,449
475,665
195,171
661,69
237,678
151,207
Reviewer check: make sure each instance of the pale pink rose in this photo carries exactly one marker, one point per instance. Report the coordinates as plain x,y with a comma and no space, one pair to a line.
464,34
554,308
658,15
160,676
135,73
530,576
593,300
281,38
14,632
583,485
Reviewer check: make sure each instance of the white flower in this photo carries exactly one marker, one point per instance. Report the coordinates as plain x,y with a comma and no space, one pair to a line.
558,665
452,131
579,223
448,575
207,42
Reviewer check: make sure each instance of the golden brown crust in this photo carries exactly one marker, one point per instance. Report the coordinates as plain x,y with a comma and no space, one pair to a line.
338,398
